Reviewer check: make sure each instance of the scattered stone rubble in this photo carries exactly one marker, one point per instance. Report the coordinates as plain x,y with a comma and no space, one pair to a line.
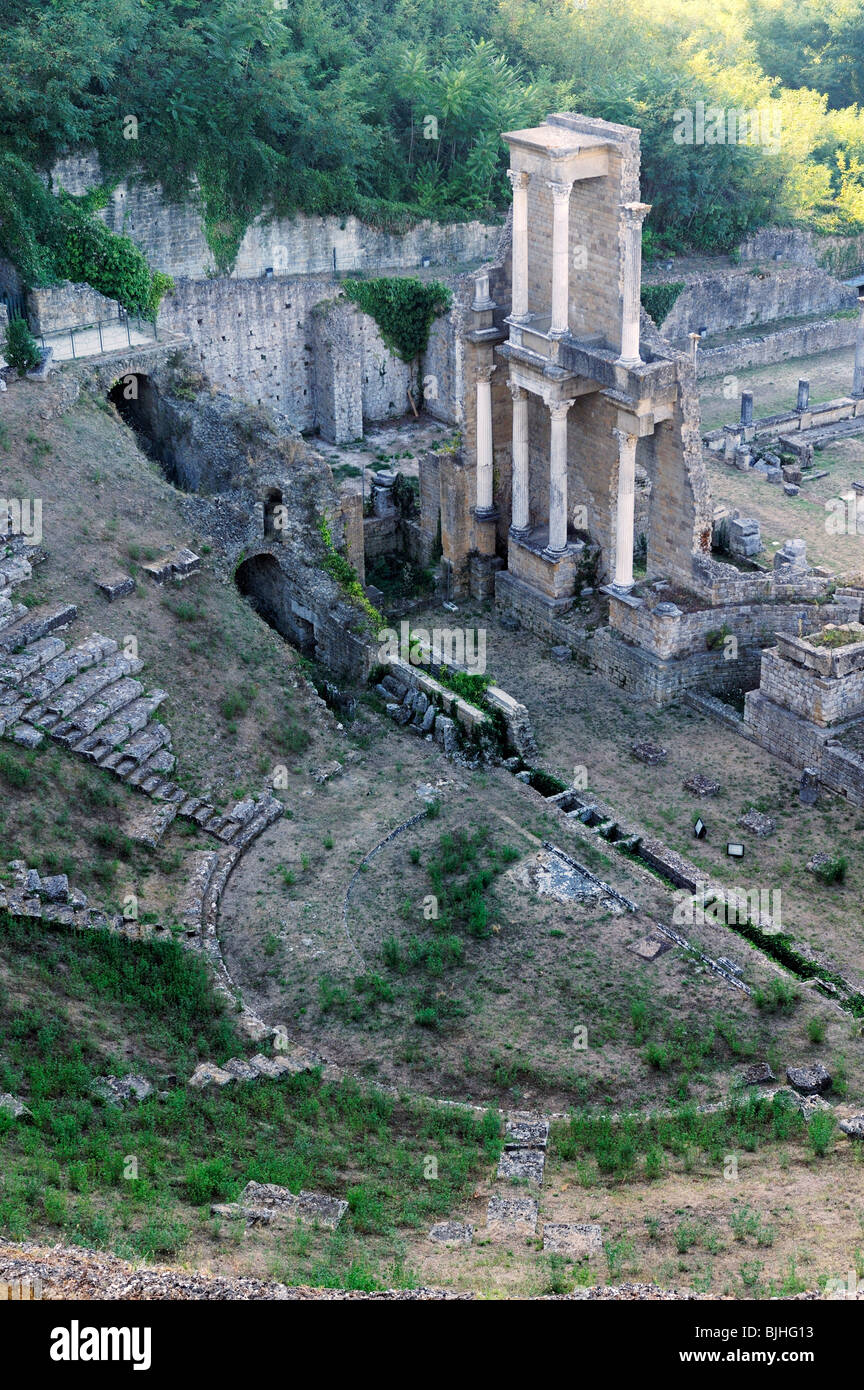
757,823
650,753
266,1204
701,786
809,1080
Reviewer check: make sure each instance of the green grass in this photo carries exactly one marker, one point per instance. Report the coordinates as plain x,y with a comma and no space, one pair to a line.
140,1179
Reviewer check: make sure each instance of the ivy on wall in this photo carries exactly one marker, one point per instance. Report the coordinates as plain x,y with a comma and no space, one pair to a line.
403,308
51,238
657,300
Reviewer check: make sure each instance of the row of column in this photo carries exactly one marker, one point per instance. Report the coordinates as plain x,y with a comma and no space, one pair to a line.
632,217
520,506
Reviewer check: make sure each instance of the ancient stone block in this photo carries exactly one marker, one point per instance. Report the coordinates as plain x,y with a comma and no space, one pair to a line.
576,1241
451,1233
811,1079
511,1218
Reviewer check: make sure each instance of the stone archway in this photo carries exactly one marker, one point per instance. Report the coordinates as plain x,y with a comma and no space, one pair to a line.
261,580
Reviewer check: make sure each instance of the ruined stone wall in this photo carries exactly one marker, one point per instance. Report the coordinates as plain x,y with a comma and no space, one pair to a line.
55,308
300,348
841,255
735,299
172,236
680,511
780,345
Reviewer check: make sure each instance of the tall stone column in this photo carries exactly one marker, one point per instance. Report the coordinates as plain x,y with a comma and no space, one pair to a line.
519,184
558,477
625,514
484,441
632,217
520,519
858,372
560,256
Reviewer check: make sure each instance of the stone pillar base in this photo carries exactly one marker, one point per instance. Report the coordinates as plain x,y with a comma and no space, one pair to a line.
481,575
485,529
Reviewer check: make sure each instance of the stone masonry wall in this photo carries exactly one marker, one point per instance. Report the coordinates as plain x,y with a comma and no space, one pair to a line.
735,299
171,235
796,340
325,368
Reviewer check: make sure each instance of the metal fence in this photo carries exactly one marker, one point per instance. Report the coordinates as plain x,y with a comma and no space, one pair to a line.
124,323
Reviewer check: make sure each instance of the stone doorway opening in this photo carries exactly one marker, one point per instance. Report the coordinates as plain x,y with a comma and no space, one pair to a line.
261,581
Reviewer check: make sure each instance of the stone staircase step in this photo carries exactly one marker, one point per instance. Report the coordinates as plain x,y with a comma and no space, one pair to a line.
64,703
112,735
14,570
11,612
38,623
16,669
88,717
269,810
67,664
159,764
143,745
199,868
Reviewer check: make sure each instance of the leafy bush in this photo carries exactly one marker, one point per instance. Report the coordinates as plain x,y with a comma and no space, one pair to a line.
832,870
777,997
20,347
821,1131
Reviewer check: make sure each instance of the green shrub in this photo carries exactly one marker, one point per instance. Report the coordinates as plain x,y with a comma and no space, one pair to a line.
821,1131
20,347
831,870
209,1181
777,997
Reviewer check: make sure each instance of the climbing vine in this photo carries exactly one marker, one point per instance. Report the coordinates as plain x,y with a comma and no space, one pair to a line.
403,308
52,238
657,300
345,575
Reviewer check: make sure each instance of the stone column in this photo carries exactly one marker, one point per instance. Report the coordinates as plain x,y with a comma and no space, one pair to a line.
746,407
623,580
560,256
520,522
858,372
803,402
484,441
519,184
558,477
632,217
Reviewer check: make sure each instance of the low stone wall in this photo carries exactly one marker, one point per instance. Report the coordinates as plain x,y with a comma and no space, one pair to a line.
841,255
796,340
57,308
730,299
749,623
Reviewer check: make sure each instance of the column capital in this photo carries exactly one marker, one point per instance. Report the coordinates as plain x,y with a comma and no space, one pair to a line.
484,373
635,213
560,191
558,409
516,391
518,178
626,438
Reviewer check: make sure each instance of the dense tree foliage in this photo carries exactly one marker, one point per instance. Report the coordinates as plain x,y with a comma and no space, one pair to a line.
391,109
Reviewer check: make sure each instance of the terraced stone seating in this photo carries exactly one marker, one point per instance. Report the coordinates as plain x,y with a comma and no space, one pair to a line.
86,698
